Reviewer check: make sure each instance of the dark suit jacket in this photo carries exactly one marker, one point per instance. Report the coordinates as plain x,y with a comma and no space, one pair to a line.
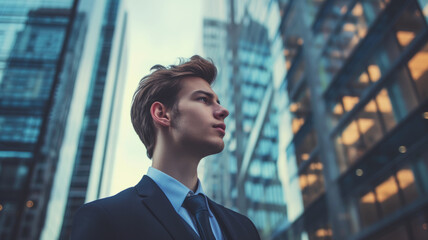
144,212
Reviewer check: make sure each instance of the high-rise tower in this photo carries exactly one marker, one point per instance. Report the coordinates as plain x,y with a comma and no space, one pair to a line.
47,59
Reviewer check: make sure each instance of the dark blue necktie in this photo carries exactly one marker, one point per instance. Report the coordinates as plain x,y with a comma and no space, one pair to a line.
196,205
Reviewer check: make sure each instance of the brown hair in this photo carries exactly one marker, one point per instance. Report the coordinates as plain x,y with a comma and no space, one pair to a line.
163,85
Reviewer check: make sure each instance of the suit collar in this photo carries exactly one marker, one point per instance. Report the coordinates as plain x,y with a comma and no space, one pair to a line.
156,201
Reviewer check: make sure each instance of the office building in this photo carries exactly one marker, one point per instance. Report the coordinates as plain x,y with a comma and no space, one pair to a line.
350,88
244,176
356,94
47,54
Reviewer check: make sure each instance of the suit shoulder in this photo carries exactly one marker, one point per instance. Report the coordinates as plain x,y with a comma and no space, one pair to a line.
231,213
94,220
112,201
239,221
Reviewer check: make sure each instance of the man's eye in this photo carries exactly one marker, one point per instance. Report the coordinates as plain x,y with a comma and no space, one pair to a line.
203,99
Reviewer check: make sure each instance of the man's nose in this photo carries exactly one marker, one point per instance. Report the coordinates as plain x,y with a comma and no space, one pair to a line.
221,112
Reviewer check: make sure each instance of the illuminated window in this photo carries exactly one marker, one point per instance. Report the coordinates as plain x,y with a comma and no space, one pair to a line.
387,195
368,210
312,182
369,125
419,71
300,110
305,148
409,25
385,109
406,181
349,145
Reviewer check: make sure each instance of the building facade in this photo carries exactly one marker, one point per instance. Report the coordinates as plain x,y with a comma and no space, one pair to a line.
356,100
244,176
328,103
47,55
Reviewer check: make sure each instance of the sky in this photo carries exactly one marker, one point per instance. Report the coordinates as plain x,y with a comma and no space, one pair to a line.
160,31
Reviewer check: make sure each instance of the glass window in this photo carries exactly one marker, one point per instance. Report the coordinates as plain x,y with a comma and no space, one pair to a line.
349,145
419,226
292,46
372,8
312,182
305,148
401,94
385,109
300,110
12,175
387,196
296,75
418,68
386,55
394,233
409,25
406,181
369,125
368,211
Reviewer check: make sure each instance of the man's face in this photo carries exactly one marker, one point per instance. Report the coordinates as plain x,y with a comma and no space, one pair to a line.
199,126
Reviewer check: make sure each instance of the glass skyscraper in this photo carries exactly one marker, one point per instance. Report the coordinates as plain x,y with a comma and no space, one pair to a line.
244,176
356,101
47,57
345,132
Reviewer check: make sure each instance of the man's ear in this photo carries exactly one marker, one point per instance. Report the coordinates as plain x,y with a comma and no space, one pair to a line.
159,114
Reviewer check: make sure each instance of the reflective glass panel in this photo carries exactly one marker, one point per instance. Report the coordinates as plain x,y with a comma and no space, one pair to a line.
349,146
369,125
367,207
418,68
387,196
305,148
420,227
406,181
312,182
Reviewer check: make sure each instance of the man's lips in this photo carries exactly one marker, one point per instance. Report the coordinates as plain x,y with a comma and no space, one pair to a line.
220,127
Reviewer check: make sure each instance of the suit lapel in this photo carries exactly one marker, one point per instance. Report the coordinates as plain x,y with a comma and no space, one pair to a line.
226,226
158,204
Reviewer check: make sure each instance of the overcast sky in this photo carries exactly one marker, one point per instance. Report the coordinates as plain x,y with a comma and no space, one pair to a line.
160,31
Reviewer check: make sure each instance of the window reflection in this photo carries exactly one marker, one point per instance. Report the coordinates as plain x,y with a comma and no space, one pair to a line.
399,189
368,211
402,94
348,146
394,233
409,25
406,181
305,148
419,71
312,182
385,109
387,195
369,124
419,226
374,72
300,110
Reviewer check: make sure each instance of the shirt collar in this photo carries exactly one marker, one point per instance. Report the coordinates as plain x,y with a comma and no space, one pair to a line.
174,190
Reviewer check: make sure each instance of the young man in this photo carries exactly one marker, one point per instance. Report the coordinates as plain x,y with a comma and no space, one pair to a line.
179,119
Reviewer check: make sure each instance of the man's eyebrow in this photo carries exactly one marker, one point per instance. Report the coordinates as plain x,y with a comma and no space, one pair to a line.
210,95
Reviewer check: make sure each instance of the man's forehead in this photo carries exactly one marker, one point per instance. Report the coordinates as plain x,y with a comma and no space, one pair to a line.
196,85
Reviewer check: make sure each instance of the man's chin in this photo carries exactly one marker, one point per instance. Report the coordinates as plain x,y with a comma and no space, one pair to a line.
215,148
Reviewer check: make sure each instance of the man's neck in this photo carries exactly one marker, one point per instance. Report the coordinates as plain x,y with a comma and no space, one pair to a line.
182,168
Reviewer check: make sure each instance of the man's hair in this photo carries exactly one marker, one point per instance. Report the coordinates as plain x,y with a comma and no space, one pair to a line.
163,85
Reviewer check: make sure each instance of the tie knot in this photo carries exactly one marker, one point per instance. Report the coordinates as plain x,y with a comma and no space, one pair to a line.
195,204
